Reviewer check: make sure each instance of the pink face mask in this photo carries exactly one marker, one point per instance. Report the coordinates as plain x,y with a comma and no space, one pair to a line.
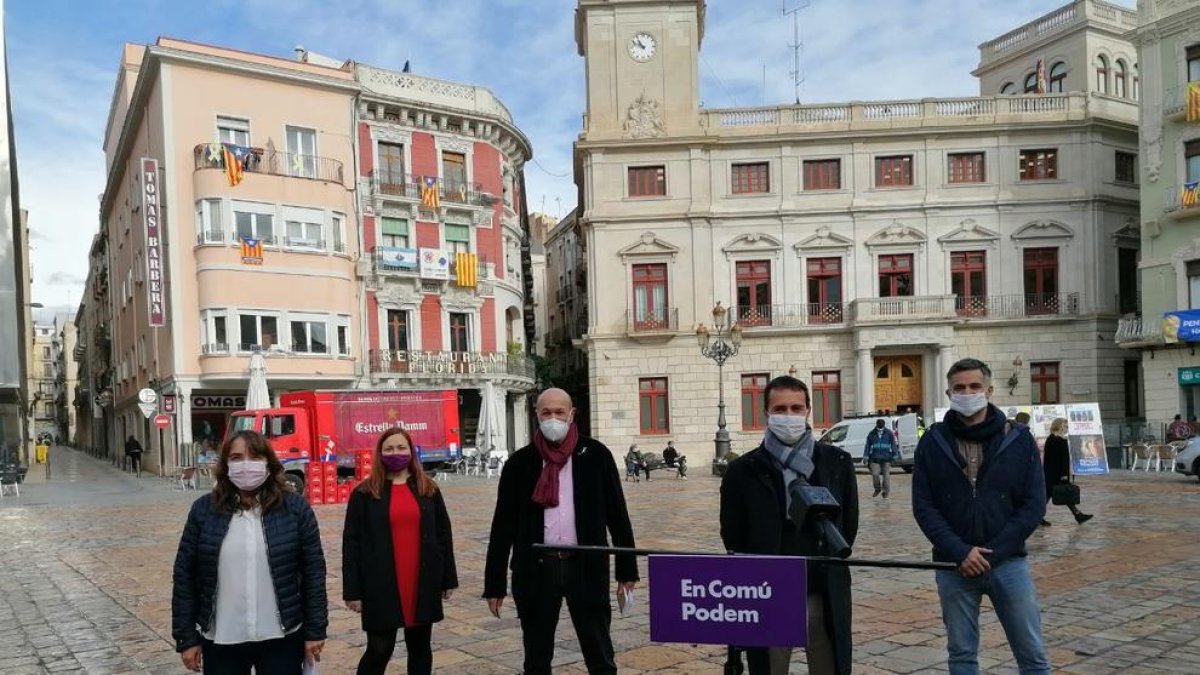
248,474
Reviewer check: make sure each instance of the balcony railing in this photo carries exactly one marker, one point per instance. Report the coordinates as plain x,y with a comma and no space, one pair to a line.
1176,200
906,308
405,261
272,162
408,186
1135,331
400,362
215,348
654,320
790,316
1017,306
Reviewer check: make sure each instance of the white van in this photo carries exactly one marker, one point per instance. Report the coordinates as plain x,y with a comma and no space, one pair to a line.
851,435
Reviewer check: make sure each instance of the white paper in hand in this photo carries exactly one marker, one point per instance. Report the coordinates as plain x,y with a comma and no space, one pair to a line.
309,668
625,602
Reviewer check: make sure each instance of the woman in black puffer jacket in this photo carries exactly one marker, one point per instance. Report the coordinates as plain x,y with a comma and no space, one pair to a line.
249,581
1056,463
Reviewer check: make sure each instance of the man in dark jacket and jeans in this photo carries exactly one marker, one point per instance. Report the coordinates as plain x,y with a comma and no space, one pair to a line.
754,508
978,493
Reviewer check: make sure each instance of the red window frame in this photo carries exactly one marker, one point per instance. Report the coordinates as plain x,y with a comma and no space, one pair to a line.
754,417
892,270
1046,381
825,295
647,181
826,406
894,171
1038,164
1041,280
965,167
647,278
964,265
751,177
753,281
653,391
822,174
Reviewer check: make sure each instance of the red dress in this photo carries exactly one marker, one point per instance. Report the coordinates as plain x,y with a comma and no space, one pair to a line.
405,518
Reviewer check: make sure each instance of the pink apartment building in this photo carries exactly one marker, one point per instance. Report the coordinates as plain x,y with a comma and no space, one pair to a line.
313,213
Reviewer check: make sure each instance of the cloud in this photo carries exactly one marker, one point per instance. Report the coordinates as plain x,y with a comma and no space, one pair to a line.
65,279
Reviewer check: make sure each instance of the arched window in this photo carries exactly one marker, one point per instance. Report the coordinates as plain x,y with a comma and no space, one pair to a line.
1137,89
1008,89
1031,83
1101,74
1058,77
1119,81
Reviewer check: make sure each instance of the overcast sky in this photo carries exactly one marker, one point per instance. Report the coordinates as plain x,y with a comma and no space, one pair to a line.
63,57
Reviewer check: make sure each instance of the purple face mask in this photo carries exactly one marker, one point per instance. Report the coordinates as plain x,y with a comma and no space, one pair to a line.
395,463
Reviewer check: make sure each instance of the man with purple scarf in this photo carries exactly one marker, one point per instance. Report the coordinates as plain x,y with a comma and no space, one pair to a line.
563,488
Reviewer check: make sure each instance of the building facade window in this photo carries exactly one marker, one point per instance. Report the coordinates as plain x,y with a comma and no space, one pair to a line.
254,225
458,238
397,330
394,233
1128,297
823,174
460,332
1039,164
337,223
824,290
309,335
342,333
1041,280
1193,63
1133,388
1101,74
233,130
1008,89
1058,77
302,146
1119,79
1031,83
826,401
753,292
257,330
750,178
1125,169
968,282
213,332
894,171
753,404
965,167
390,173
650,296
647,181
654,406
1191,158
895,275
1193,277
454,170
1045,379
208,222
304,228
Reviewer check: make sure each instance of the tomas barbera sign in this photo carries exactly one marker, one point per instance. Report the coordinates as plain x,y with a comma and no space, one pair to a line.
151,213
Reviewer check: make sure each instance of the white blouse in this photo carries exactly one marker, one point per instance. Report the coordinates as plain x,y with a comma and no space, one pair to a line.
246,608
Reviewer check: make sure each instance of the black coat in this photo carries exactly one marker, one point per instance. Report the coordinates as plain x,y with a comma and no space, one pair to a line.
1056,462
369,564
293,552
754,520
518,523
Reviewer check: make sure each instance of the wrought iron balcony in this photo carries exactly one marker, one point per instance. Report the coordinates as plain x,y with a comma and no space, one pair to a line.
408,186
272,162
790,316
1018,306
653,320
1139,331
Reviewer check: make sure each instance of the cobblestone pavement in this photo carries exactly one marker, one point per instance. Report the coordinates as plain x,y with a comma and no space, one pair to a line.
86,581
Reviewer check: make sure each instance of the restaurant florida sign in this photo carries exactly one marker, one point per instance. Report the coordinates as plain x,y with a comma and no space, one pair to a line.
154,270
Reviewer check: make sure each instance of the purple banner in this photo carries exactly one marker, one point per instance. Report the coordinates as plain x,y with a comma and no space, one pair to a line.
742,600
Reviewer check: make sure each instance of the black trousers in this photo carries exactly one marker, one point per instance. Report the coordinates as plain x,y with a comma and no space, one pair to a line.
380,646
559,580
282,656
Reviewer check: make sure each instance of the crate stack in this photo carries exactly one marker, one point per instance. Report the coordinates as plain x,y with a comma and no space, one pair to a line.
320,485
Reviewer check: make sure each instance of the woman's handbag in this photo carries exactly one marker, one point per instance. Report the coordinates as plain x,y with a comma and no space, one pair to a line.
1065,494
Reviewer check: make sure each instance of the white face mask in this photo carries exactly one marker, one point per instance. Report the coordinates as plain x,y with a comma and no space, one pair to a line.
968,404
248,474
788,428
554,429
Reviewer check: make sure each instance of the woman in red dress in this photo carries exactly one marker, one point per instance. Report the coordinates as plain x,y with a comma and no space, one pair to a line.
397,556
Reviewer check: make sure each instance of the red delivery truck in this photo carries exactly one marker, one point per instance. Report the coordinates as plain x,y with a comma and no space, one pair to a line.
334,425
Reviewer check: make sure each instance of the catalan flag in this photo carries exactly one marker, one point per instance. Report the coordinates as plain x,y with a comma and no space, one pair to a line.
429,193
234,169
252,251
1193,102
466,269
1189,194
1041,77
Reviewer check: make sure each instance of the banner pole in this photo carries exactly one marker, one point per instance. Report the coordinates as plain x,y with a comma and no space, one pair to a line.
848,562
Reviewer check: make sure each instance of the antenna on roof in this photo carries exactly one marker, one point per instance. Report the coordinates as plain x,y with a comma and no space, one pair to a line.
796,45
301,53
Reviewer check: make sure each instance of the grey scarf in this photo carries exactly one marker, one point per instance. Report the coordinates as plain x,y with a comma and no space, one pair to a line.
795,458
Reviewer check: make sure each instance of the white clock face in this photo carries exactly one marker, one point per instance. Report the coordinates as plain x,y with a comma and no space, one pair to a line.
642,47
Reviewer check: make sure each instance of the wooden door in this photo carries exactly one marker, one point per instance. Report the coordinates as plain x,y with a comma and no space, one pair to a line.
898,383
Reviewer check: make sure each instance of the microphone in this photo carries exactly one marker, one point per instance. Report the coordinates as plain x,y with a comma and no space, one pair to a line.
813,504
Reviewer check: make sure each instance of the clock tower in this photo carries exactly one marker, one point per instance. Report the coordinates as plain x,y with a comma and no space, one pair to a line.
642,67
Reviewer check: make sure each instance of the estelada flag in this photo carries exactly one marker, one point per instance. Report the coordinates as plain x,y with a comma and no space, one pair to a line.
234,169
429,193
1193,102
1189,195
1041,77
252,251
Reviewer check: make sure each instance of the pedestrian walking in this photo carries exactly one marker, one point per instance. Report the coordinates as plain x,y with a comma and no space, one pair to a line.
978,493
1057,467
133,451
397,556
880,451
755,497
249,577
564,489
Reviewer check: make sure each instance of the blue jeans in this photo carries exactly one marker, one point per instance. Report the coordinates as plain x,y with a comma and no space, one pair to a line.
1010,586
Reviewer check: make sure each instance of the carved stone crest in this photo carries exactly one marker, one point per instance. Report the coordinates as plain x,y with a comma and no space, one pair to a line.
644,119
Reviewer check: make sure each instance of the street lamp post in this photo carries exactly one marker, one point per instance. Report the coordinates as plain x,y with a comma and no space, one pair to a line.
720,345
